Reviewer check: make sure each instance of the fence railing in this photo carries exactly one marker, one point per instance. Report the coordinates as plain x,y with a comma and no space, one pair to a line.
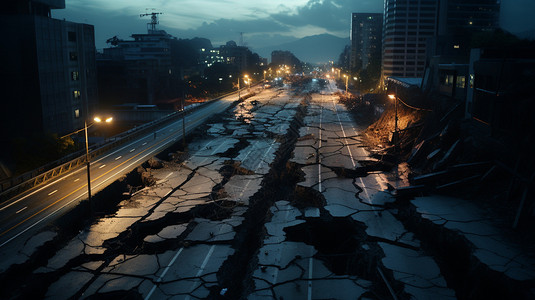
14,186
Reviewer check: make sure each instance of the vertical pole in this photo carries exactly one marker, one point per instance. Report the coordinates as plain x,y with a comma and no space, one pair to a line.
88,170
184,122
396,121
238,88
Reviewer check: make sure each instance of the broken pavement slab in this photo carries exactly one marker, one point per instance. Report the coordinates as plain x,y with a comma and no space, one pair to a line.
490,246
28,249
420,274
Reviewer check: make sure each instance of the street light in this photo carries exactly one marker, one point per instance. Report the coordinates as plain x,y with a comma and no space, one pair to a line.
87,158
265,75
395,136
247,81
238,88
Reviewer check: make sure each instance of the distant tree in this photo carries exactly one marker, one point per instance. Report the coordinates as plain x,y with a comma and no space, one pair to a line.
369,77
37,150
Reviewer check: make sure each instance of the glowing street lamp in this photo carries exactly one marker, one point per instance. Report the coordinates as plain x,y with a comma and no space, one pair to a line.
396,133
87,157
238,88
247,81
88,160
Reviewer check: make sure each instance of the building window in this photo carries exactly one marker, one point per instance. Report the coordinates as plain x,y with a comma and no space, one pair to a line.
76,113
73,56
461,82
71,35
76,95
75,75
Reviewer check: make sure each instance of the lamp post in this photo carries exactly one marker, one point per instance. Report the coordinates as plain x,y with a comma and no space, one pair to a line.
238,88
396,133
264,75
347,78
88,159
247,81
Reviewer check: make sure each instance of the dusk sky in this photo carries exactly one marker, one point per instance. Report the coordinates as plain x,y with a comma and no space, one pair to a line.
263,22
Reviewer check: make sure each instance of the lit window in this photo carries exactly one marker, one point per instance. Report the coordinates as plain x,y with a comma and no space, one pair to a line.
75,75
456,46
77,113
76,94
461,82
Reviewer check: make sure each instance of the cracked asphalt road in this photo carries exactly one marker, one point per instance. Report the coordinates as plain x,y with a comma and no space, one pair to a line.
267,204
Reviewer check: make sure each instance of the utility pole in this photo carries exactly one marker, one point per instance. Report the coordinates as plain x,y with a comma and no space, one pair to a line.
184,121
91,205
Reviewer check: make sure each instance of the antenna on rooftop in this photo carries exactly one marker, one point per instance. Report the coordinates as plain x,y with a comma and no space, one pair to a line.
153,18
241,38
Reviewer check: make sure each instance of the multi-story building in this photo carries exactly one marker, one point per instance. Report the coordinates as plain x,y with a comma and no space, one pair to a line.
146,67
238,56
449,52
209,57
48,70
366,32
462,16
279,58
408,24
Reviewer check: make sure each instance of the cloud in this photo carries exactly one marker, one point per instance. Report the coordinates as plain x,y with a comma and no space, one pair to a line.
264,22
333,15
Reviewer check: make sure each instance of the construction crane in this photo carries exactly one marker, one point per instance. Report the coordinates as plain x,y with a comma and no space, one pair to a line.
153,19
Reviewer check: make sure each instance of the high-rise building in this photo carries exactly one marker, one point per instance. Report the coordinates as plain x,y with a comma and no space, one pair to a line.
458,20
462,16
48,70
408,24
449,52
366,32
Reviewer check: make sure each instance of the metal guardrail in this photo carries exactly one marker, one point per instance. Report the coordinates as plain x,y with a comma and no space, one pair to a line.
15,186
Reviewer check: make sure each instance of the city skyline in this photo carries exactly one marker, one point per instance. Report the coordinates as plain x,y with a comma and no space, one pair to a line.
263,23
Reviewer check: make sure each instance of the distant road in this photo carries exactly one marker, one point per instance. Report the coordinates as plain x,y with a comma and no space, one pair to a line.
26,213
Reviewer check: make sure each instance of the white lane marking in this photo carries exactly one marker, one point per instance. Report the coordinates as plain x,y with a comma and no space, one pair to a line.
364,188
77,179
118,157
52,193
279,254
20,210
168,175
81,195
101,166
144,144
319,148
201,269
132,150
164,272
